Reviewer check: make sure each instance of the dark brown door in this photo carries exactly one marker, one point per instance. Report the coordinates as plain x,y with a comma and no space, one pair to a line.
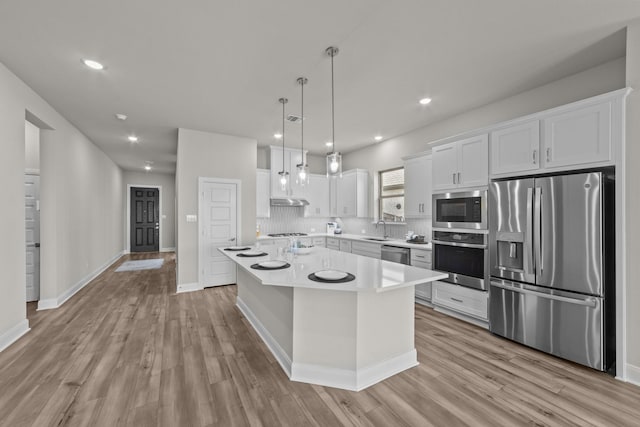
145,220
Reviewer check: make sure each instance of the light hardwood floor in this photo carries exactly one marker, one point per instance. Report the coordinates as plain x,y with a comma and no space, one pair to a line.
127,350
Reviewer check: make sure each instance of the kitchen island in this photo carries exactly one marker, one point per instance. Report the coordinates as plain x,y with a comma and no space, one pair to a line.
347,335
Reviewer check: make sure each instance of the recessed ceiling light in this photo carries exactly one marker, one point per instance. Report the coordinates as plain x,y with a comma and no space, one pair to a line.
425,101
95,65
147,167
328,143
132,138
121,116
277,135
378,138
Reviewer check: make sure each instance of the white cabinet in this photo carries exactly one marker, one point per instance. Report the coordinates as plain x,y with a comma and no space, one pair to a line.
318,197
515,148
345,245
372,250
263,193
467,301
578,137
422,259
352,194
461,164
333,243
292,157
319,242
417,187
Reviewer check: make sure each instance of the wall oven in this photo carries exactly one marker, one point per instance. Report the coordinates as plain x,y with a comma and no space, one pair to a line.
460,210
463,255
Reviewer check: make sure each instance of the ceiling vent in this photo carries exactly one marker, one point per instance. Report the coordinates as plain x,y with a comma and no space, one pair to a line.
293,118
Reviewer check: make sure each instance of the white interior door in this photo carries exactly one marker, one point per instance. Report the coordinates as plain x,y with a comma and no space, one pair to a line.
32,235
218,228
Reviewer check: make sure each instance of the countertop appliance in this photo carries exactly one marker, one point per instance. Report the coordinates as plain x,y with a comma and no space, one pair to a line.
553,265
396,254
460,210
463,255
331,227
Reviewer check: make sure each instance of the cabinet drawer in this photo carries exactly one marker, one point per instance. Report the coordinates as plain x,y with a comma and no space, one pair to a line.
421,264
423,291
461,299
333,243
319,241
420,255
345,245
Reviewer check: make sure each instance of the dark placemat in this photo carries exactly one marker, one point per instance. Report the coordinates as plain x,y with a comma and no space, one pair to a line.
252,256
237,249
349,278
260,267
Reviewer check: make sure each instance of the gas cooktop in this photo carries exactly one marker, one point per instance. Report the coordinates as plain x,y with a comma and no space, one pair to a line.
286,234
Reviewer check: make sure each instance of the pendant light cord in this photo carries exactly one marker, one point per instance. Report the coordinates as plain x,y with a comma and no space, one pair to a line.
283,169
302,122
333,118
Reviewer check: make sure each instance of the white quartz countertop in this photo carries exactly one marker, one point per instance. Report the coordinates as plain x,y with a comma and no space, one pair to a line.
361,238
371,275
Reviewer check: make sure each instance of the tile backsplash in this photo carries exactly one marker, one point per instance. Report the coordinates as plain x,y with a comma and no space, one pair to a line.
292,219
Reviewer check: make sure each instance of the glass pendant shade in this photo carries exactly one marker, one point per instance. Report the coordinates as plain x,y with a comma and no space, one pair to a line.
334,165
284,180
302,175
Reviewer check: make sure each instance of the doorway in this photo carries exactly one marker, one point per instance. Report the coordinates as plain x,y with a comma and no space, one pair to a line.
32,235
219,226
144,219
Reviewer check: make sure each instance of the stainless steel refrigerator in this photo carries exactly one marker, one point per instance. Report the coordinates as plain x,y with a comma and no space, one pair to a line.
552,265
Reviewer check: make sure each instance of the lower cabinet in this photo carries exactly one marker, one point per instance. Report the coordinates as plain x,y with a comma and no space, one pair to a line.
373,250
333,243
459,299
345,245
320,242
422,258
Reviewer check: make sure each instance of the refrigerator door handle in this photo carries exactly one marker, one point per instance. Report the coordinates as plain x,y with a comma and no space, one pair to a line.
588,302
537,229
528,242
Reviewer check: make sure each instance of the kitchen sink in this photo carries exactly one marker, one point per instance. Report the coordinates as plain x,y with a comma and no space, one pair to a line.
376,239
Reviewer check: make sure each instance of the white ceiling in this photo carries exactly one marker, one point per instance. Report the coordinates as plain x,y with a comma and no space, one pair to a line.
221,66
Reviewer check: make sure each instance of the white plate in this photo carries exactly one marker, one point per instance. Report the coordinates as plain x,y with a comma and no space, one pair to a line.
238,248
331,274
252,253
272,264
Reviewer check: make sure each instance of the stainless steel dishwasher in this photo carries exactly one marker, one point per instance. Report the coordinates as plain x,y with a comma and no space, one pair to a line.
396,254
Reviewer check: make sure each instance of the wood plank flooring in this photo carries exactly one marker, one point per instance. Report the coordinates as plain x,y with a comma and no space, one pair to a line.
126,350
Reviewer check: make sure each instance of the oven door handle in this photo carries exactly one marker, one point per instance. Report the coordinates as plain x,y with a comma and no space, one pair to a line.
462,245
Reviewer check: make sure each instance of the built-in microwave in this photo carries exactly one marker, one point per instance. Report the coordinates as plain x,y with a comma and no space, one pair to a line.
460,210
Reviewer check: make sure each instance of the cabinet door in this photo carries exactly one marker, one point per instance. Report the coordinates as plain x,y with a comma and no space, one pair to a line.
417,187
445,167
263,193
318,197
473,161
295,158
516,148
345,246
578,137
333,197
347,195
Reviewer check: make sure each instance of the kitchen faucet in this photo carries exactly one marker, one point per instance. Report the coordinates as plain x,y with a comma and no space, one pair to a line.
385,227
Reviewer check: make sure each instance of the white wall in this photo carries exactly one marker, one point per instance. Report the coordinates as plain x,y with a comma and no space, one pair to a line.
632,211
316,163
31,148
81,202
168,208
203,154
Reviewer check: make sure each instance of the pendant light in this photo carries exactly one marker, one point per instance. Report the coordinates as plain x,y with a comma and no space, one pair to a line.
302,175
284,175
334,158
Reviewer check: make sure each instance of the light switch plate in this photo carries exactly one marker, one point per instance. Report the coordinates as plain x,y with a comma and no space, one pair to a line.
192,218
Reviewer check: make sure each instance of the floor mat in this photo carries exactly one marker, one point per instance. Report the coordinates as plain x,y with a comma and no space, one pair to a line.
143,264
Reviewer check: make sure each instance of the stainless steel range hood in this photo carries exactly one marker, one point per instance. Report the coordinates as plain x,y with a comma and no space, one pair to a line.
288,202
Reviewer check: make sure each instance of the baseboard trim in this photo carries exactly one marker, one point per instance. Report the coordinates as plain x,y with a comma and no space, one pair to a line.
51,303
633,374
168,249
354,380
14,333
278,352
189,287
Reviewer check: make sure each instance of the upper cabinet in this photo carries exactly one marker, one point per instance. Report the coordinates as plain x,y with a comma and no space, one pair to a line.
318,197
352,194
417,187
515,148
292,157
461,164
579,136
263,193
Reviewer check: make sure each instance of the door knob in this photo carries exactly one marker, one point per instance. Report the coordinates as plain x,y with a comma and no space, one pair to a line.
232,239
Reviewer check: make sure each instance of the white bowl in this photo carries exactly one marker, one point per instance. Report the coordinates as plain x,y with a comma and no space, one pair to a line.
303,251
